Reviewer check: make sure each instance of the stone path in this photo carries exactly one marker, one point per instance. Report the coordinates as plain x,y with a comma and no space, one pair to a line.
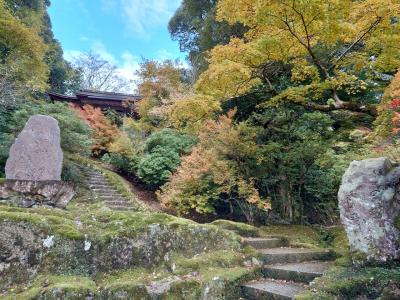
287,271
102,189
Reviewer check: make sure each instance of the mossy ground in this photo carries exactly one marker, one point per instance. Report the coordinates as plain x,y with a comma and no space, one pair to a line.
356,283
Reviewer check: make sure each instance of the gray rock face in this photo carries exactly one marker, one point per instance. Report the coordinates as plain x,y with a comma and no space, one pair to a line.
36,193
369,202
36,153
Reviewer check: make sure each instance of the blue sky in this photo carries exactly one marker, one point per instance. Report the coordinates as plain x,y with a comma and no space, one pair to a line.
121,31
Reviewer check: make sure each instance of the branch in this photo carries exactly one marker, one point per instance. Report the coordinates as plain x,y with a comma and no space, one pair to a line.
366,109
359,39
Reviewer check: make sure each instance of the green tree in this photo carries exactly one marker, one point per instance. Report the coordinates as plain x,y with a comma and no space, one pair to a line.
33,14
195,26
22,52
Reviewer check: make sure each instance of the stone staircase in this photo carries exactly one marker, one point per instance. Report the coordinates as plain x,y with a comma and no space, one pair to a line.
287,271
102,189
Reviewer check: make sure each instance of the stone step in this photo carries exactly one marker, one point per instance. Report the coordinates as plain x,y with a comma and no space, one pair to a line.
265,243
104,190
271,289
99,185
95,175
116,202
98,181
298,272
106,195
91,184
121,208
291,255
111,198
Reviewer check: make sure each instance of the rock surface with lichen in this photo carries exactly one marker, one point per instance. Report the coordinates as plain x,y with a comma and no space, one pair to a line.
26,193
36,154
369,202
116,256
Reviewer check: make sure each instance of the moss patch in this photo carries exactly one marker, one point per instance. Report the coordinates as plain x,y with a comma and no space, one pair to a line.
50,221
298,235
352,283
55,287
239,228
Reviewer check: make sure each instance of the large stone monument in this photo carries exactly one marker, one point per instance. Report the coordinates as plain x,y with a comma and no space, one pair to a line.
369,202
36,154
33,169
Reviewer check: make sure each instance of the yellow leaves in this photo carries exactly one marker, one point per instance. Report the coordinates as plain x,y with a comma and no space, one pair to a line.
303,71
226,79
213,169
189,114
234,11
393,90
122,145
25,50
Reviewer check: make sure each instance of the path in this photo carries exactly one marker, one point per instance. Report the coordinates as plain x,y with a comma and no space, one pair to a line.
105,191
287,271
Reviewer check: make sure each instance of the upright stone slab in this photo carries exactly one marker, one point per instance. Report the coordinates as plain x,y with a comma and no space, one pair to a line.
36,154
369,203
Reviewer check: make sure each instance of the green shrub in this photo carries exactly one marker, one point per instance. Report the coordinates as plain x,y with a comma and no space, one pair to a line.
124,164
156,168
72,173
171,139
162,156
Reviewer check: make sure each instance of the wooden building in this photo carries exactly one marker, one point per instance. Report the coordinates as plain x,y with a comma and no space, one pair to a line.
123,103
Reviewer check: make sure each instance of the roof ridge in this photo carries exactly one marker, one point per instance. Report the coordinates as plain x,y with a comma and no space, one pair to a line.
107,93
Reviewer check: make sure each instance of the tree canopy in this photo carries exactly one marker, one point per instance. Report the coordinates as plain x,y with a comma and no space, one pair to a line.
331,48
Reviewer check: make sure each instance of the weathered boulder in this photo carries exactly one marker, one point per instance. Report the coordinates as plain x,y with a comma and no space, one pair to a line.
28,193
369,203
36,153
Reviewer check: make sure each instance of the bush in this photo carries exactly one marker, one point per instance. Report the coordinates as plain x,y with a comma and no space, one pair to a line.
171,139
162,156
124,164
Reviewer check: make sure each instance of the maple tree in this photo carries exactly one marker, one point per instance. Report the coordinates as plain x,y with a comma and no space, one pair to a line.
104,133
328,46
211,175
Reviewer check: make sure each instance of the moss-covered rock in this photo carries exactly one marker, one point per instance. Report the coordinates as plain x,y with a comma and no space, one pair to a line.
80,243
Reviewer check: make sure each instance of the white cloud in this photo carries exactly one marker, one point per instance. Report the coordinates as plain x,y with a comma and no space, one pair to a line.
163,54
100,49
130,64
142,15
71,55
127,64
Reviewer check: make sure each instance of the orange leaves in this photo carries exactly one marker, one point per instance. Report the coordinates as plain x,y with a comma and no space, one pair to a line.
104,132
213,171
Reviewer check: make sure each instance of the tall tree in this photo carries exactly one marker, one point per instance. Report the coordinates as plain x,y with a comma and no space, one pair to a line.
33,14
195,26
22,51
99,74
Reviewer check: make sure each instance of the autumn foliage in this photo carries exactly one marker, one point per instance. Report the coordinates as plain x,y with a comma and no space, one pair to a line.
211,174
104,133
